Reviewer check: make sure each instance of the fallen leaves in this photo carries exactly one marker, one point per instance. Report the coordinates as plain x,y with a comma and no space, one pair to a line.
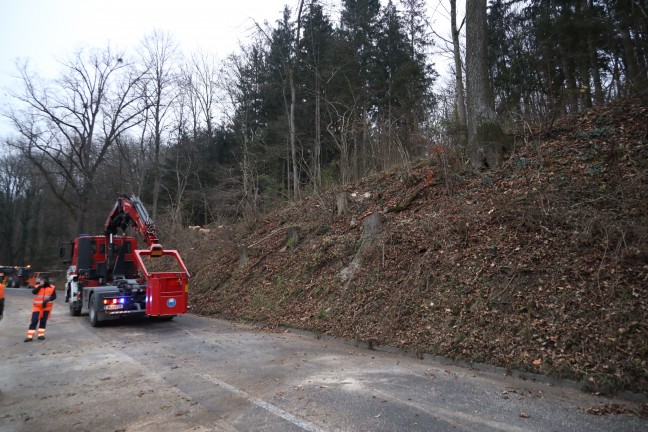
607,409
532,266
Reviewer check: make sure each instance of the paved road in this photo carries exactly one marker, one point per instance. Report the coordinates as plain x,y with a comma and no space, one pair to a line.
202,374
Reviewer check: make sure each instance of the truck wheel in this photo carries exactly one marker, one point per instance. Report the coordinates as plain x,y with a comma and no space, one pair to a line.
75,308
75,305
94,314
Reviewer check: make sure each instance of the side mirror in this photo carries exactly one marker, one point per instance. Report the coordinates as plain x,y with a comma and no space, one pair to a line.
62,255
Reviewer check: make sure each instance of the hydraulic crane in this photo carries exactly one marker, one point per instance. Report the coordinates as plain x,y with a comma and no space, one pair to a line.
110,278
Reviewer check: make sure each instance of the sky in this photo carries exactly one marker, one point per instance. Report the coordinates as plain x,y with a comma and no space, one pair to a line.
43,31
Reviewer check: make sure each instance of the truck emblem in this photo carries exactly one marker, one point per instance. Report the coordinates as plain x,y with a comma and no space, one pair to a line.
171,302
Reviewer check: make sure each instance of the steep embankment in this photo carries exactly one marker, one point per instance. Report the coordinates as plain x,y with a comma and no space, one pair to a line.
540,266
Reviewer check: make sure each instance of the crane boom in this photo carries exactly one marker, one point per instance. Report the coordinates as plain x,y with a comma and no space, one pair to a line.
110,278
130,211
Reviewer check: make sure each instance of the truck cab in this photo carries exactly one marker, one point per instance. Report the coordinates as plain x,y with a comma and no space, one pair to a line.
96,261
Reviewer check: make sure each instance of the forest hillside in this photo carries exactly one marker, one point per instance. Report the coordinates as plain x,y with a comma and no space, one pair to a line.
539,266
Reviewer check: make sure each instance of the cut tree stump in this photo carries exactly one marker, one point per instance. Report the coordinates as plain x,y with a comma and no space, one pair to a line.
341,202
371,227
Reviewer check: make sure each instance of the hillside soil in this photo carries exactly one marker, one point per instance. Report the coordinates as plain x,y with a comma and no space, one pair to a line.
540,265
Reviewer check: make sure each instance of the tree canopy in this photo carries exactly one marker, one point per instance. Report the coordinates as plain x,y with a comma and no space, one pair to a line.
310,101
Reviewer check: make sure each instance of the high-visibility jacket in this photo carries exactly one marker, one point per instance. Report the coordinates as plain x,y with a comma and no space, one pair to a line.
1,290
42,294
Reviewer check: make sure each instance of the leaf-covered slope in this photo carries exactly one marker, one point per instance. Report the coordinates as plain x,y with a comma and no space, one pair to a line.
541,265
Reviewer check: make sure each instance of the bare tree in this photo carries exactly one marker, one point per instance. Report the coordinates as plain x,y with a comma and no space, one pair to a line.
341,129
459,84
180,171
241,82
293,92
159,54
199,95
66,126
203,76
19,188
484,133
132,160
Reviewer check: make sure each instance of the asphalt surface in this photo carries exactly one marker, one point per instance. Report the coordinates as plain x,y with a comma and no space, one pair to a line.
205,374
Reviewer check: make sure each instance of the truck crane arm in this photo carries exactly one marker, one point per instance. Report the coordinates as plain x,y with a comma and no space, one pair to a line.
129,211
111,278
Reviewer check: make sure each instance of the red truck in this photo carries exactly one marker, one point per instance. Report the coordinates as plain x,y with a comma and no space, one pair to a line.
110,278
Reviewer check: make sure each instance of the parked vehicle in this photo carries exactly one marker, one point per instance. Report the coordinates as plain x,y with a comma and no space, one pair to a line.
110,278
38,278
16,276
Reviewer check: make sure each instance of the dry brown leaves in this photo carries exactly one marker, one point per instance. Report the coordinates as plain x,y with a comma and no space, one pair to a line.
541,265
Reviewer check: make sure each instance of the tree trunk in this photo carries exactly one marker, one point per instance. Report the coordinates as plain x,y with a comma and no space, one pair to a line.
571,92
156,180
293,101
317,151
293,141
485,136
629,58
82,209
459,85
596,76
246,162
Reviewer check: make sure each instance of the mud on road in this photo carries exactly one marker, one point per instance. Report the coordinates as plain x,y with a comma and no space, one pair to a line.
203,374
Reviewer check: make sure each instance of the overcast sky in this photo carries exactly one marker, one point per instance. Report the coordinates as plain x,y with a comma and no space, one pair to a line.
46,30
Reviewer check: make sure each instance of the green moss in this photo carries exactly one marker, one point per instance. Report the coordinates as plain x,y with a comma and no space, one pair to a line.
491,132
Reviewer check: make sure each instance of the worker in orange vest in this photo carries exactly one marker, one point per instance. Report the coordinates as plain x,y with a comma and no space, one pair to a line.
44,295
1,295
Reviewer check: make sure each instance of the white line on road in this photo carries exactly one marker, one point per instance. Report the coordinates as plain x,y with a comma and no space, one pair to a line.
265,405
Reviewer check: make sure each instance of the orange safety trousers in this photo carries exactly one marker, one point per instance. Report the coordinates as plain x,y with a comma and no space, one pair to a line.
40,313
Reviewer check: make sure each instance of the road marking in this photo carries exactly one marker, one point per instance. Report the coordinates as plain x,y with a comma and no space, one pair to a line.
265,405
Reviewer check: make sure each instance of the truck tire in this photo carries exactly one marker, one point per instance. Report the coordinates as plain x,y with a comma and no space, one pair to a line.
75,305
75,308
94,313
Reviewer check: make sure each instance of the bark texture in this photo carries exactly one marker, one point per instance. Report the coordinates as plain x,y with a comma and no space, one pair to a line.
485,136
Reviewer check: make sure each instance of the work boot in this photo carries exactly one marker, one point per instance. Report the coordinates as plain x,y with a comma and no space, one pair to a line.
28,340
41,337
